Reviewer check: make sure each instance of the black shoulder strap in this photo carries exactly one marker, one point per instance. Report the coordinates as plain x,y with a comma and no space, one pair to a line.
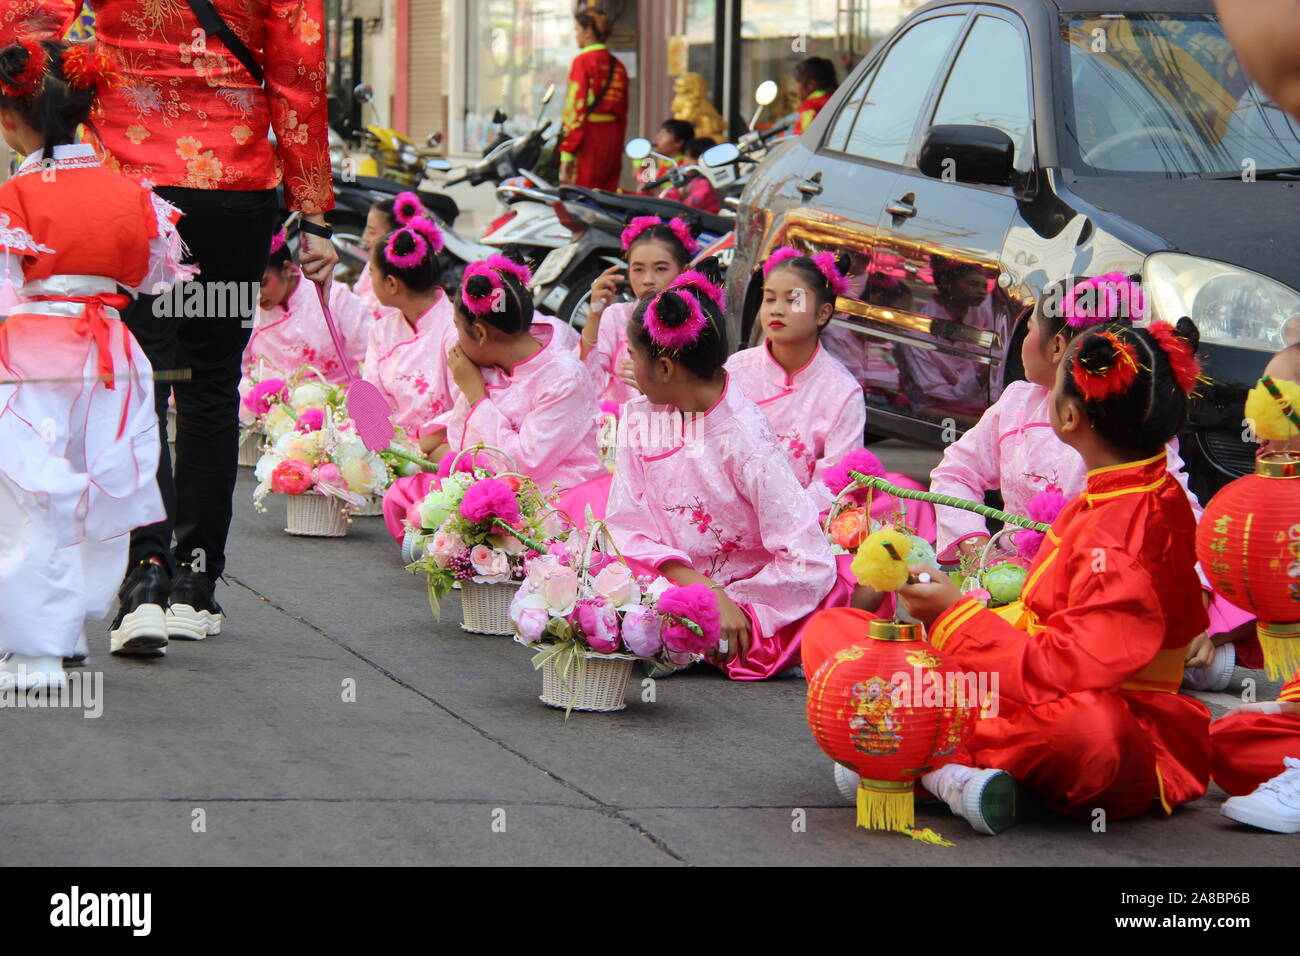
211,21
609,81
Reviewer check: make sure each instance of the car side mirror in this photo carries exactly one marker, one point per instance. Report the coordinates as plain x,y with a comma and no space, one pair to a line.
969,154
720,155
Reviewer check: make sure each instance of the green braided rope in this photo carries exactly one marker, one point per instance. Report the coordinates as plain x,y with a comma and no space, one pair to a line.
879,484
414,459
535,545
1287,409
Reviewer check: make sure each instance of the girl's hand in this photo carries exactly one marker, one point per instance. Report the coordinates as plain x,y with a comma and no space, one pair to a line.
603,291
467,376
735,631
317,257
432,442
925,602
973,545
1200,651
627,375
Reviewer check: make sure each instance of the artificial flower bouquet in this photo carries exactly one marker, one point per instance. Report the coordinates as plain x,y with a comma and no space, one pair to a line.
325,469
475,528
996,574
584,611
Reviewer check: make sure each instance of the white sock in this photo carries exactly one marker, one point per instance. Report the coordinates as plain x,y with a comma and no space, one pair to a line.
947,783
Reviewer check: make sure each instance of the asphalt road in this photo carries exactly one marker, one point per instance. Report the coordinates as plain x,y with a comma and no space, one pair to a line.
244,750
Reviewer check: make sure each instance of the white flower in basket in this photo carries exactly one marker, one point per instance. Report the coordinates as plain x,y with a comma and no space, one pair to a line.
582,622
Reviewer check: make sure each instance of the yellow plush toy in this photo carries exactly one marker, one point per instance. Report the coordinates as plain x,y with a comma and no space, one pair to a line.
881,560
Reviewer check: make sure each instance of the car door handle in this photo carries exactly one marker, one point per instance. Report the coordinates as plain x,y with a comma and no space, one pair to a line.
812,186
901,208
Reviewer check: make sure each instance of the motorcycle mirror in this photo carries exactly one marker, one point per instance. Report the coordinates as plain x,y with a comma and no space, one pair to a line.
765,93
499,116
638,148
434,139
548,93
364,92
720,155
432,166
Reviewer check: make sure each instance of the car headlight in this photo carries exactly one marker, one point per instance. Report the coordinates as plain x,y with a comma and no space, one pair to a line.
409,155
1230,305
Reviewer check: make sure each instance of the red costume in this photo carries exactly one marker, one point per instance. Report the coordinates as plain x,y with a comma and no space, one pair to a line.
1089,663
1247,748
809,108
185,112
594,131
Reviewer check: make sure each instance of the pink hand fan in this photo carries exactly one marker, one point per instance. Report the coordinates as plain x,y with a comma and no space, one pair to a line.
367,406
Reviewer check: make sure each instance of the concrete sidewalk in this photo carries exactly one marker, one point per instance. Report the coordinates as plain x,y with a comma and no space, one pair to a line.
446,756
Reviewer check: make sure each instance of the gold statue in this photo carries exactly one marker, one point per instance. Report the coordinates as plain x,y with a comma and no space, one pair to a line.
691,102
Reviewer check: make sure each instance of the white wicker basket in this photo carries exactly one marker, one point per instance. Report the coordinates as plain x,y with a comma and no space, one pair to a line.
485,608
250,450
373,508
315,516
604,686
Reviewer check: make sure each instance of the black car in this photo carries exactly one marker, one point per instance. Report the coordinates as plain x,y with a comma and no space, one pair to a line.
985,150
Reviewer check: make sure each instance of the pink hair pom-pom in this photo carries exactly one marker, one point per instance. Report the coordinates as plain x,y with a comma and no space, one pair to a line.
695,603
781,255
1046,506
836,280
480,304
278,241
682,231
694,279
407,206
490,498
675,337
638,225
837,477
427,228
500,263
1103,299
406,260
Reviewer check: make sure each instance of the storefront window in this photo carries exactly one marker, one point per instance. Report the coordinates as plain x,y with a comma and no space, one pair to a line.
514,48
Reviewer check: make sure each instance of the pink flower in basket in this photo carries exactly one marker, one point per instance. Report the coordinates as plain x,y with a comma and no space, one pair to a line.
443,546
616,583
538,569
490,565
328,473
311,420
641,631
529,619
512,545
696,603
261,395
599,623
291,477
490,498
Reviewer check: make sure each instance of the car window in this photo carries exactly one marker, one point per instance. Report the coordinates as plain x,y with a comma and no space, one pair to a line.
989,85
883,126
839,133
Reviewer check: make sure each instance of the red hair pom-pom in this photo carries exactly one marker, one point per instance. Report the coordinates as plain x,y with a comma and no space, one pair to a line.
1182,360
29,77
1098,381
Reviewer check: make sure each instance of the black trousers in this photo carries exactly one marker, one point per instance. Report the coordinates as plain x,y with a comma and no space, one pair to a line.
229,235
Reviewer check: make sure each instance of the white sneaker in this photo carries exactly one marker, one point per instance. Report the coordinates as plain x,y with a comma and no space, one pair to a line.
989,800
78,657
24,673
846,782
1217,674
1275,804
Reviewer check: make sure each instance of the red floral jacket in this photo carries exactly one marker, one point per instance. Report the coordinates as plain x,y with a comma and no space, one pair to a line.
185,112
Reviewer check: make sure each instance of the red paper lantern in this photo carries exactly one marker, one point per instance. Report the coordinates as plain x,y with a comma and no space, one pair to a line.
890,708
1248,543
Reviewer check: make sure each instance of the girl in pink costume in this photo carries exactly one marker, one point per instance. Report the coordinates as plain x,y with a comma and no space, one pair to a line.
289,329
384,217
704,494
1013,447
656,253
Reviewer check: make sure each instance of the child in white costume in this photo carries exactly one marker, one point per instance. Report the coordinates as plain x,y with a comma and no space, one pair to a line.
78,434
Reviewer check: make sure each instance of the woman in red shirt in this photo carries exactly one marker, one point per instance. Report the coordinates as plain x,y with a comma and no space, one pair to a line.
595,109
817,82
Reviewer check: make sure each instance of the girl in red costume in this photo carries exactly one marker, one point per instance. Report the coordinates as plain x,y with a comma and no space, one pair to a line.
1089,663
595,109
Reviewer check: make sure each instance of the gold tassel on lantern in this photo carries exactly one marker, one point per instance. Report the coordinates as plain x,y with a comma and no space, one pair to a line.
889,805
1281,646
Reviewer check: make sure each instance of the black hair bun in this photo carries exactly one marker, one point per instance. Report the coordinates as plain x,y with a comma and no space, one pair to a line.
514,254
843,262
1096,353
403,242
1186,330
710,268
672,309
478,286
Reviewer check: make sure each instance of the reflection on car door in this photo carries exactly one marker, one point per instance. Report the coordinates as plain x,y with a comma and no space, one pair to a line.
853,174
934,272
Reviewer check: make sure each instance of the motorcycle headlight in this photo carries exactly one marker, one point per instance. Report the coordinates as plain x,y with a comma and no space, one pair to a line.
410,156
1230,305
